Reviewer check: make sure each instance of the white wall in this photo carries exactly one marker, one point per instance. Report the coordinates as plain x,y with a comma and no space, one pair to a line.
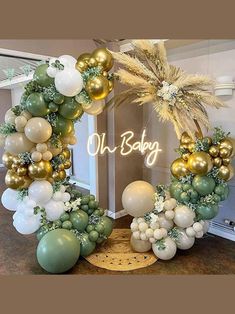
216,63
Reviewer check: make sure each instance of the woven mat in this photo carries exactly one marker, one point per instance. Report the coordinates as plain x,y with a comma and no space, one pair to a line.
116,254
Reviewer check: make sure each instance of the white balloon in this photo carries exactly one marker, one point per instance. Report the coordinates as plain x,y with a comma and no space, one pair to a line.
165,223
158,234
9,199
58,196
140,245
138,198
165,253
152,240
134,226
199,234
40,191
184,242
197,227
149,233
52,71
66,197
184,216
62,189
10,117
136,235
170,214
164,232
26,225
170,204
154,225
95,108
206,226
67,61
143,226
190,232
69,82
54,210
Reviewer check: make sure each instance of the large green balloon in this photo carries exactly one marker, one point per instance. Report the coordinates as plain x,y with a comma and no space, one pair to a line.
108,225
36,105
58,251
176,189
203,185
70,109
41,77
63,126
87,246
207,211
79,219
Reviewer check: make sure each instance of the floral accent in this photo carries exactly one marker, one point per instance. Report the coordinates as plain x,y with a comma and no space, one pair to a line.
168,92
72,206
58,65
159,203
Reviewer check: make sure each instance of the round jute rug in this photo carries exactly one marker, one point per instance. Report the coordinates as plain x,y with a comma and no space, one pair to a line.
116,254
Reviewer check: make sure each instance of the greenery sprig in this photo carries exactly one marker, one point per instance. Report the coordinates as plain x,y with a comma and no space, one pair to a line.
25,158
57,161
58,65
22,194
202,145
161,244
17,110
91,72
219,135
7,129
93,220
83,97
52,118
49,92
174,234
55,141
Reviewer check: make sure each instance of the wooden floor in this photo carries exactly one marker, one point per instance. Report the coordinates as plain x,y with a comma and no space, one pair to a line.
210,255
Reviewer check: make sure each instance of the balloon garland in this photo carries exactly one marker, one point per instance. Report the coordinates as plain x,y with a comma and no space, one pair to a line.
35,136
171,217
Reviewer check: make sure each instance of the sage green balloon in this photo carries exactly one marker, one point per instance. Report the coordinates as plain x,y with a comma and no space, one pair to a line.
203,185
87,246
108,225
36,105
58,251
79,220
58,99
40,233
41,76
70,109
63,126
176,189
206,212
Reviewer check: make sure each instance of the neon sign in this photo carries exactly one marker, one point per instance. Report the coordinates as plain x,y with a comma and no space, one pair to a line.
127,146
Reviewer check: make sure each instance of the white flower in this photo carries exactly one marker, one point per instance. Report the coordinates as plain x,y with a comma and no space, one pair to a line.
159,203
154,217
168,92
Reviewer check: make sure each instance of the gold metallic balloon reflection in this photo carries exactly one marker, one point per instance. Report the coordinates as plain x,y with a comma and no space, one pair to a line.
104,58
200,163
40,170
7,160
179,168
97,87
224,173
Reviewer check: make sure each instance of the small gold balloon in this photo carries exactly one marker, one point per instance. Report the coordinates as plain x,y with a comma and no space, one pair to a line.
40,170
183,146
92,62
105,73
51,180
228,144
62,174
60,167
191,147
179,168
27,182
16,160
200,163
185,138
22,171
226,161
214,151
13,181
7,160
55,176
224,152
14,167
97,87
67,164
209,140
230,167
232,140
81,66
217,162
224,173
104,58
186,156
110,85
66,153
85,57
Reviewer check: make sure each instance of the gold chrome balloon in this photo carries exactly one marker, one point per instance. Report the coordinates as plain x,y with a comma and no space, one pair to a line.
81,66
217,162
60,167
200,163
40,170
62,174
228,144
66,153
7,160
225,152
13,181
27,182
22,171
226,161
110,85
85,57
230,167
183,146
16,160
185,138
104,58
191,147
55,176
179,168
14,167
97,87
67,164
186,156
214,151
92,62
224,173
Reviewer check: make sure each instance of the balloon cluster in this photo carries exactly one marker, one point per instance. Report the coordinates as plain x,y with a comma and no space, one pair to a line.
172,217
35,136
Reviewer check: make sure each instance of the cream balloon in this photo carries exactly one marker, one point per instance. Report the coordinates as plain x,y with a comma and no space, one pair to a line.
140,245
184,242
38,130
40,191
138,198
164,222
166,253
17,143
68,61
184,216
10,117
69,82
54,150
95,108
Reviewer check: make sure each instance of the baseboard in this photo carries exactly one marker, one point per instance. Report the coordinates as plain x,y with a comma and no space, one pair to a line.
116,215
222,231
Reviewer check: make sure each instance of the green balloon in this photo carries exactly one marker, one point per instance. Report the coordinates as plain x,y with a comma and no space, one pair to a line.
207,211
203,185
108,225
93,236
86,245
67,225
41,76
58,99
58,251
63,126
176,189
79,220
64,217
184,197
40,233
53,107
36,105
70,109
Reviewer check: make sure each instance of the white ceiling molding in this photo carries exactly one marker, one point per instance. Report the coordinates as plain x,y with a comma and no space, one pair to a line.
128,46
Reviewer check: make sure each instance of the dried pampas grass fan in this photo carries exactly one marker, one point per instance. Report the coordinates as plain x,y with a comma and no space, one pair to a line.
177,97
